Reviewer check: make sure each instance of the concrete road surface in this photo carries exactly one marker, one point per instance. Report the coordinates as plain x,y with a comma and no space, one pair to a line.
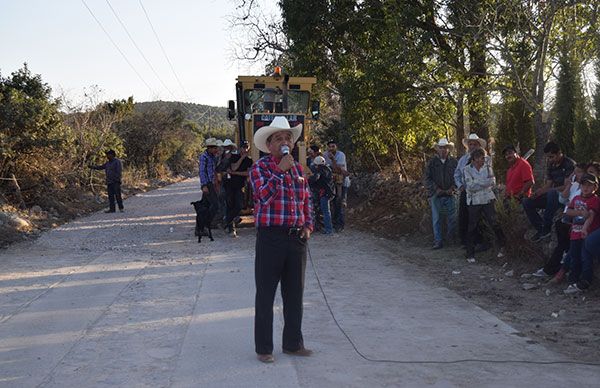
133,300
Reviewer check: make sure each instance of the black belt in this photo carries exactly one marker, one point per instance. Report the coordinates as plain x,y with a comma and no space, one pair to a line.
291,231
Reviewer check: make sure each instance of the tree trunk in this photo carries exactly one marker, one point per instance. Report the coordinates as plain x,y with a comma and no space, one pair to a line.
542,133
541,128
376,161
18,192
400,163
477,97
460,123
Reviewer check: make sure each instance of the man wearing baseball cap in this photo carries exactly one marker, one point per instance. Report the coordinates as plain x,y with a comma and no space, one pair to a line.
585,210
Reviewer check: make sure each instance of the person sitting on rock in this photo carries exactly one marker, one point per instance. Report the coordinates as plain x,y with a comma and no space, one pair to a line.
519,176
546,197
585,210
554,265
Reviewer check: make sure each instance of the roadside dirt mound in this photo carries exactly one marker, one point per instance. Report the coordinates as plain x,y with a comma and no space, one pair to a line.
51,210
383,204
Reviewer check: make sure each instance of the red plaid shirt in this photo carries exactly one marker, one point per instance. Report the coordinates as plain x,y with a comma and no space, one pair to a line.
280,198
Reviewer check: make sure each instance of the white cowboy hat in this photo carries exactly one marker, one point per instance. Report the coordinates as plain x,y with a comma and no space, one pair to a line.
228,143
210,142
443,142
319,160
219,143
473,136
278,124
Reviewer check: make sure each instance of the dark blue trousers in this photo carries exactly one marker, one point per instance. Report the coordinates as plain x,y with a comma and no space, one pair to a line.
280,257
114,194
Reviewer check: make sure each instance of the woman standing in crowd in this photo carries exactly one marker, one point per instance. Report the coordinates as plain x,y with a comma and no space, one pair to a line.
479,183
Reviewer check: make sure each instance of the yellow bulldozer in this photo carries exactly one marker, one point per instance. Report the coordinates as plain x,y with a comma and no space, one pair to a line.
260,98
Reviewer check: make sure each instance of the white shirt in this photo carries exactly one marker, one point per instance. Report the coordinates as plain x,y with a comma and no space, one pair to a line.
479,184
340,160
574,191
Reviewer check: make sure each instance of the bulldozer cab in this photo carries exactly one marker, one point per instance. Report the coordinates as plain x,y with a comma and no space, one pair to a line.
260,98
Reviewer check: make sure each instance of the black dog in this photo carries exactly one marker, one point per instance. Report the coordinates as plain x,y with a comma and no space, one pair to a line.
203,218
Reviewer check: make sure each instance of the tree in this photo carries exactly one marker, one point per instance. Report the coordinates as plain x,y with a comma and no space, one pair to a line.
587,149
523,27
91,124
29,119
441,61
569,99
154,137
515,126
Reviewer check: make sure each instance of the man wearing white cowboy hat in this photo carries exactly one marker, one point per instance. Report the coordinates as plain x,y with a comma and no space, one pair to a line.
439,180
282,213
472,142
208,162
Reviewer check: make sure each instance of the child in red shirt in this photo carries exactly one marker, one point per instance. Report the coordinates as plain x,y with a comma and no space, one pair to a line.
585,210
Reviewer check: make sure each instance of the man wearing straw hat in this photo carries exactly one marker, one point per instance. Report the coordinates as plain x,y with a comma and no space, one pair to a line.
206,171
439,180
282,212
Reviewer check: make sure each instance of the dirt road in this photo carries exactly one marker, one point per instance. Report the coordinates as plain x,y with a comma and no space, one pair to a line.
132,300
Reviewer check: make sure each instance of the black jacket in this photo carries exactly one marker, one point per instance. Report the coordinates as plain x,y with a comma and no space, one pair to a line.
440,175
322,179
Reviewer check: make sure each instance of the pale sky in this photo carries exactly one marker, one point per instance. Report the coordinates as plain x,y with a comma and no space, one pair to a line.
61,41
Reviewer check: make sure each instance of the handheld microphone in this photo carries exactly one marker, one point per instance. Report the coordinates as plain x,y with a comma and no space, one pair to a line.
285,150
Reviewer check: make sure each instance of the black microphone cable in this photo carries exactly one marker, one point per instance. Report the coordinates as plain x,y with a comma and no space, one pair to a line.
458,361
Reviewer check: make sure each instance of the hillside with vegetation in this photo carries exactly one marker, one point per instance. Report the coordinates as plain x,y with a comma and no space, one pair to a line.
205,116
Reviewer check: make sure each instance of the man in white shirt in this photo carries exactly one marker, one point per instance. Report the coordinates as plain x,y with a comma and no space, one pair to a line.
336,159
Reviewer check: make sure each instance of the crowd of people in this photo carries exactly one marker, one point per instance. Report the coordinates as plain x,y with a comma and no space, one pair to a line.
288,208
224,169
568,186
329,183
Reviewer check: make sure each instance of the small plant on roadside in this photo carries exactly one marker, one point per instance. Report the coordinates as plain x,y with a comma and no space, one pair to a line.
515,225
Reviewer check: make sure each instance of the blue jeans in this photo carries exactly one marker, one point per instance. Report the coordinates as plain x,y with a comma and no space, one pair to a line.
576,262
589,250
439,206
339,202
324,204
114,194
548,202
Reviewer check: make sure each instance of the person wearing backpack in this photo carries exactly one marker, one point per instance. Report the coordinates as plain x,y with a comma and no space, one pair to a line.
322,181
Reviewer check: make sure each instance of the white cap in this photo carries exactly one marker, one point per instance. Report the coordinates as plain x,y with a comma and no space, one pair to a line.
319,160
